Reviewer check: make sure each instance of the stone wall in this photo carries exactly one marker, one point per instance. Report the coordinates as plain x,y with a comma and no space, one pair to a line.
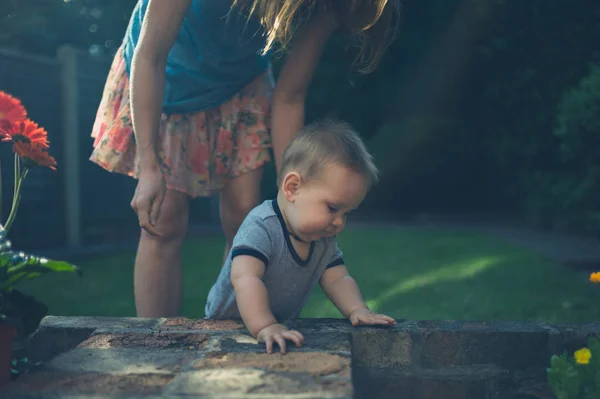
130,357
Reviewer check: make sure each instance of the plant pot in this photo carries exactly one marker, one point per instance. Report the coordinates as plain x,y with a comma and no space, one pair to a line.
8,332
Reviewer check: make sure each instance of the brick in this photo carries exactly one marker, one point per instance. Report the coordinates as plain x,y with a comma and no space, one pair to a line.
182,323
122,360
452,383
381,348
574,336
526,387
182,341
57,382
511,345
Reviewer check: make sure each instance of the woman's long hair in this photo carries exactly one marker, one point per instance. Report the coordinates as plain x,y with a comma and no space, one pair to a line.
374,23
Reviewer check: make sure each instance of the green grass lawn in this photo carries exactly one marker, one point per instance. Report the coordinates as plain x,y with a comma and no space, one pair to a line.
406,274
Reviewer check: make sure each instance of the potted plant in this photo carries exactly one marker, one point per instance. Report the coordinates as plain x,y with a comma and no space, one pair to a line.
577,376
20,314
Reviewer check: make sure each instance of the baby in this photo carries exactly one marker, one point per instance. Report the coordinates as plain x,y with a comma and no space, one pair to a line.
285,245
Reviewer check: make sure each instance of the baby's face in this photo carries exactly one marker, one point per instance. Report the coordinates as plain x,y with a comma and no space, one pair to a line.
321,205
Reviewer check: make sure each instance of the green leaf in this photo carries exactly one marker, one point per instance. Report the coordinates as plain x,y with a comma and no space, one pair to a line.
560,363
19,267
554,374
594,347
563,378
572,383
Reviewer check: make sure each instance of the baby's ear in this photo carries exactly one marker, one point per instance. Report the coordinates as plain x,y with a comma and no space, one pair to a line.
291,184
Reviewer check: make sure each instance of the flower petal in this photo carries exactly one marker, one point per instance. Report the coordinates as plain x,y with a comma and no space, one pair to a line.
11,109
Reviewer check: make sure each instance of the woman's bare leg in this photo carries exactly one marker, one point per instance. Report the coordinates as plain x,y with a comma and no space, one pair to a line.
238,197
157,275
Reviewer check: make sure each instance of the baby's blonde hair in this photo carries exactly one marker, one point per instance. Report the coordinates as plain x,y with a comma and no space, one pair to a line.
324,143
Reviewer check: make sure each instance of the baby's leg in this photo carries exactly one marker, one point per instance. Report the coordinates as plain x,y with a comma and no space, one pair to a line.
157,275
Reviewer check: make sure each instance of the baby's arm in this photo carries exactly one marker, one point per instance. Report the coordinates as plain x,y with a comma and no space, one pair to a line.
251,293
253,303
343,291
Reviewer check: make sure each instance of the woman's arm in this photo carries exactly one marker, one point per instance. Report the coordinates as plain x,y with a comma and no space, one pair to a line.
161,25
294,78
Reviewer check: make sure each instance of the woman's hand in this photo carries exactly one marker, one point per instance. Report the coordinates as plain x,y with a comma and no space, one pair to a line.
148,198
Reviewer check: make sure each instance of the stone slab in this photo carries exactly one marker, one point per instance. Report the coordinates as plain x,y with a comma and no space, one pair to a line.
122,361
309,363
54,382
55,395
46,343
321,325
57,334
261,375
185,324
96,322
176,341
255,383
66,395
329,342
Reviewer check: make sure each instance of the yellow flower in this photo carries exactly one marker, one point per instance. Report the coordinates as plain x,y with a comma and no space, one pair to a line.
583,356
595,277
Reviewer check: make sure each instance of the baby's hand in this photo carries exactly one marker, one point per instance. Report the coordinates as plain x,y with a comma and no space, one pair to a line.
279,333
366,316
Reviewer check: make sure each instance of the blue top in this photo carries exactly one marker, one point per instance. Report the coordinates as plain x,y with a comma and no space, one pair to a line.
215,54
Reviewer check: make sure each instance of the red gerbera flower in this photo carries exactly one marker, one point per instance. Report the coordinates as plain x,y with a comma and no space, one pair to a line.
34,154
27,132
11,109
